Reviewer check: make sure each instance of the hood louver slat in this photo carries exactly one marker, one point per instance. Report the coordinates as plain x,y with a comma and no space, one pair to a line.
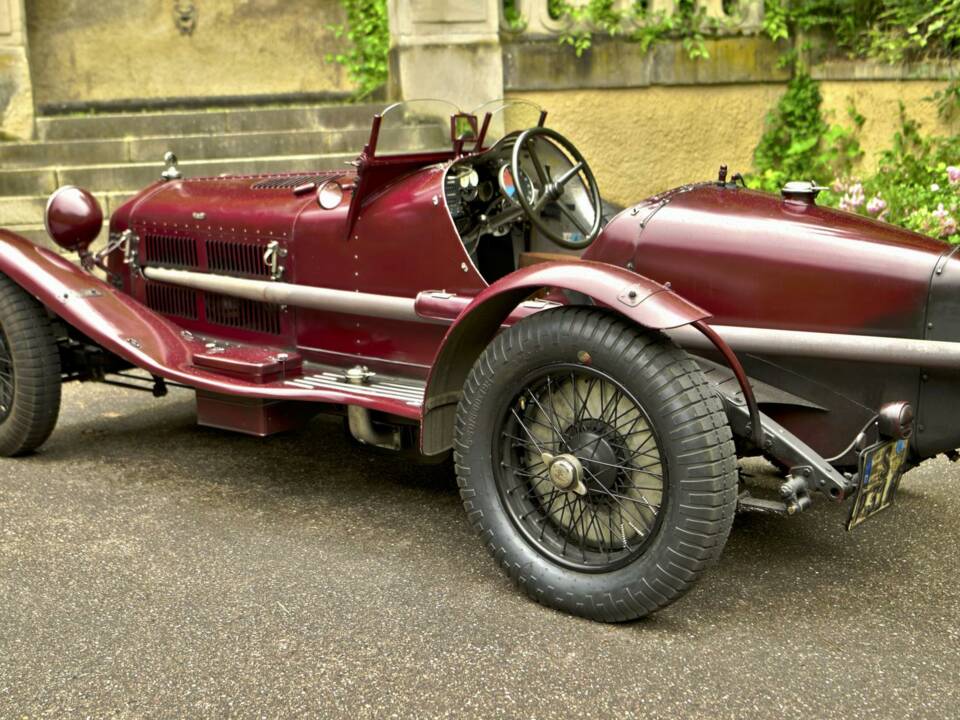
286,182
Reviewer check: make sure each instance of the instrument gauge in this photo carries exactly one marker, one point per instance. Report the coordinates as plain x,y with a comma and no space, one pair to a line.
469,178
509,185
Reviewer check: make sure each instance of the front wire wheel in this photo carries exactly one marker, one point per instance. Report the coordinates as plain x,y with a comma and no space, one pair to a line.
595,462
576,425
30,379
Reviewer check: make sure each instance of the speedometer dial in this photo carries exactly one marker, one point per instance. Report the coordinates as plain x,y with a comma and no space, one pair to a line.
509,185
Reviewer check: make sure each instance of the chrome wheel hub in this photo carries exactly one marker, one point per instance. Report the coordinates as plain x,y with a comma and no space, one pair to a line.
566,472
580,469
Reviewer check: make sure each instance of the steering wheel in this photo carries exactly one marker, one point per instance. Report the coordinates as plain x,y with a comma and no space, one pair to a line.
550,190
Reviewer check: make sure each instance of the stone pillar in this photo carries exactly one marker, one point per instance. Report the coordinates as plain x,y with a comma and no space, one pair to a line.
16,92
447,50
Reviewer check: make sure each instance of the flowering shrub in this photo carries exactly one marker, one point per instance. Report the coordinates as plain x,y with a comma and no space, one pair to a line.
917,184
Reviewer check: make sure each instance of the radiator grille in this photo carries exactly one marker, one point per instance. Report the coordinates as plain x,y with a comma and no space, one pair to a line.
241,313
237,258
291,181
172,300
169,251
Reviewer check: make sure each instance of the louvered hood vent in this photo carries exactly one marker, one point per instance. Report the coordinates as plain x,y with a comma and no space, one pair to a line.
286,182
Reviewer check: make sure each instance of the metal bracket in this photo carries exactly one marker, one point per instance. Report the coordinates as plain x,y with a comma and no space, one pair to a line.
805,464
271,258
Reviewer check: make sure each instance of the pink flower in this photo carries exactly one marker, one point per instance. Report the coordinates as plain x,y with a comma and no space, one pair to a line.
948,227
839,186
853,198
877,205
940,213
953,174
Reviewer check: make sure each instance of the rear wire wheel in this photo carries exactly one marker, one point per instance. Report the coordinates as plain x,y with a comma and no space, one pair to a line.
29,372
596,463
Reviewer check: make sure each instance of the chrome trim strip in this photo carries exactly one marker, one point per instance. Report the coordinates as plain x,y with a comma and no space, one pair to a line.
832,346
390,307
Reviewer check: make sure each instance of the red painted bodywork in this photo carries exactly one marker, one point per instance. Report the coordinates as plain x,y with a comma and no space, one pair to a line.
753,259
742,257
73,218
145,339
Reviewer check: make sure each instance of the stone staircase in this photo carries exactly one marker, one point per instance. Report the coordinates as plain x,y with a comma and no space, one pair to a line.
114,156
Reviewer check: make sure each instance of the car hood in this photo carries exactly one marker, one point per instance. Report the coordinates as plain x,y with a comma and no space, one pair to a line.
751,258
264,205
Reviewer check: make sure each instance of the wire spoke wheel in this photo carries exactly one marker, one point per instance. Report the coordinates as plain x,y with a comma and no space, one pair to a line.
6,377
600,508
595,463
29,372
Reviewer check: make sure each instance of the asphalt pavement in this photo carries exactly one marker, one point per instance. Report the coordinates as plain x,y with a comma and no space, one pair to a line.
150,568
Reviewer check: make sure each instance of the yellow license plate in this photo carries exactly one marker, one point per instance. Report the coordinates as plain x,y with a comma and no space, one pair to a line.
881,467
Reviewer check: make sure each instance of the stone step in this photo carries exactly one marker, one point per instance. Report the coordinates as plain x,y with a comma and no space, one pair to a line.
203,122
60,153
134,176
37,234
21,210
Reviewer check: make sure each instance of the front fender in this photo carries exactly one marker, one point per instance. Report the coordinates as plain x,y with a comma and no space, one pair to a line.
640,299
108,317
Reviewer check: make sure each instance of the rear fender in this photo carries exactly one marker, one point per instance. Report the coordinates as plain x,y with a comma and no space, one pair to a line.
639,299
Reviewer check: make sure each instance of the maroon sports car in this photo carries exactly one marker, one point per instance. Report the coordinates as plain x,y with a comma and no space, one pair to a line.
595,375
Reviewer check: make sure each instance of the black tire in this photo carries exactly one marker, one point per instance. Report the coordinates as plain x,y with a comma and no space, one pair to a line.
29,372
686,526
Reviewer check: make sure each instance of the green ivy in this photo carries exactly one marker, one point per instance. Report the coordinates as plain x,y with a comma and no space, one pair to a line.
917,180
366,57
892,30
798,142
688,23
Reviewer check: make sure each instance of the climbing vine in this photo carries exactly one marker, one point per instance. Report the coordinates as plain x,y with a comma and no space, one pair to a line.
891,30
366,55
800,144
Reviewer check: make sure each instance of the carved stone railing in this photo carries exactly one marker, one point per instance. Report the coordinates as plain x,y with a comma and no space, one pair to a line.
534,19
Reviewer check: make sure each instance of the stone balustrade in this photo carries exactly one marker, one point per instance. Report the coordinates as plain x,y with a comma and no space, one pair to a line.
535,20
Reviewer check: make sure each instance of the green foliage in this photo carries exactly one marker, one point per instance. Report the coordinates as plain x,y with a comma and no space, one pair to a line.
891,30
688,23
916,185
908,28
947,100
368,34
917,181
799,144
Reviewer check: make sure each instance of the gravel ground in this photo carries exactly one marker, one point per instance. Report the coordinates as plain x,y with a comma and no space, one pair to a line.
149,568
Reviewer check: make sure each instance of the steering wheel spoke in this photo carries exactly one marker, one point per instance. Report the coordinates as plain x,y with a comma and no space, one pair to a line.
551,189
572,217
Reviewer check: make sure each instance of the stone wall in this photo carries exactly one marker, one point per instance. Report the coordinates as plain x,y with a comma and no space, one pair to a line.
113,50
16,95
642,140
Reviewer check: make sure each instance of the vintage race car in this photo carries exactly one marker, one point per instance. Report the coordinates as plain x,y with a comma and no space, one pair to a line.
596,376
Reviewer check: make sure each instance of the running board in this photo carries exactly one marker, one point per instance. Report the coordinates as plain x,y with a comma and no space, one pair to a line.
408,392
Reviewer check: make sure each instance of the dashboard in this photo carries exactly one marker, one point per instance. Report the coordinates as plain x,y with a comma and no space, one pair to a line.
481,195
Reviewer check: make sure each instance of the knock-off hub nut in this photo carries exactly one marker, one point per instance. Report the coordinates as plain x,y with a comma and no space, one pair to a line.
565,472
